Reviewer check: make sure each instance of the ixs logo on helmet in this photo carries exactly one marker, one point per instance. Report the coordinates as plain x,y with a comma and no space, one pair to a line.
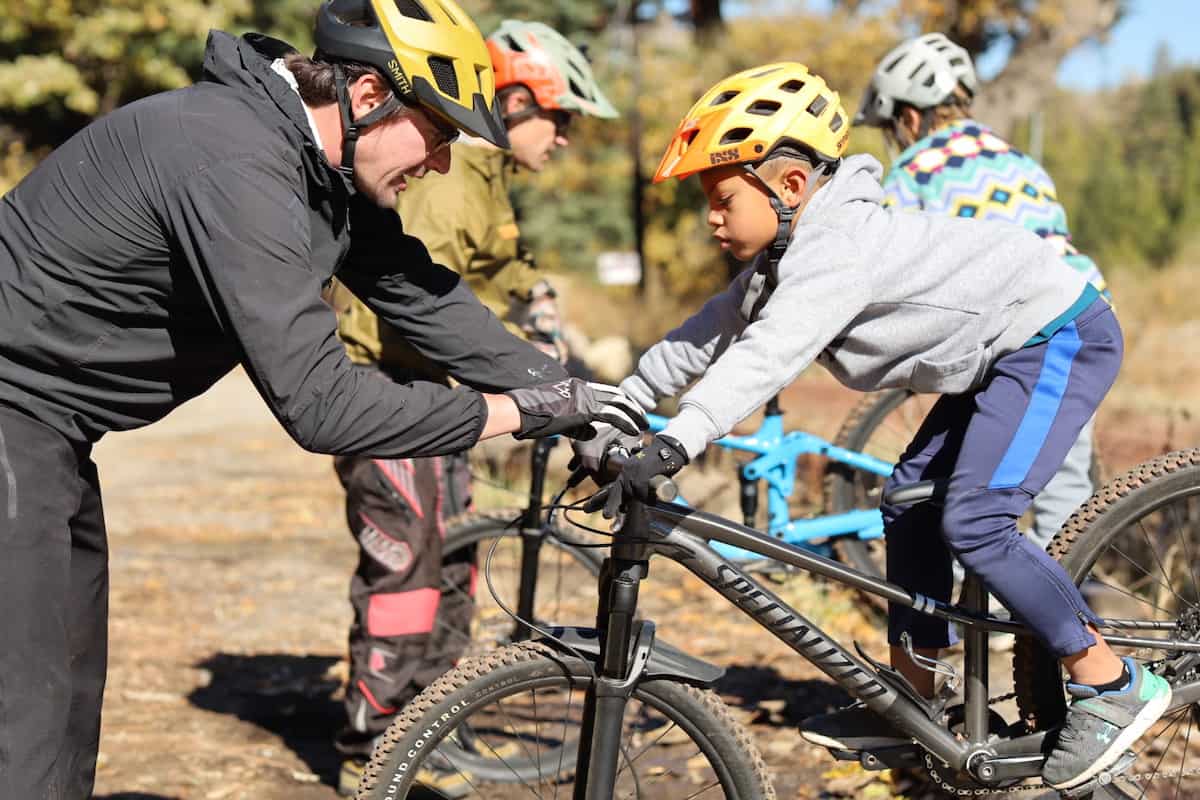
399,77
724,157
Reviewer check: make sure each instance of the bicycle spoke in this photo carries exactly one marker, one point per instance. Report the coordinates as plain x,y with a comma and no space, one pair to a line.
1162,569
1183,756
1130,595
1166,749
513,727
1142,569
694,795
1187,557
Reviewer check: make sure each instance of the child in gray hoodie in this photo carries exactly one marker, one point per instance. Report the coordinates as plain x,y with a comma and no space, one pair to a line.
1021,347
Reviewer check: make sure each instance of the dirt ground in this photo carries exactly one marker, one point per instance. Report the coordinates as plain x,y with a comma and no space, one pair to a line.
230,564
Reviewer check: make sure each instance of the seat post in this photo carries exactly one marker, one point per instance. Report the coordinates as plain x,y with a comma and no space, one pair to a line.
974,598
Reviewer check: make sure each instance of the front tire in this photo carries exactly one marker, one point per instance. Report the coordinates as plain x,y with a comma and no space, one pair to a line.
526,700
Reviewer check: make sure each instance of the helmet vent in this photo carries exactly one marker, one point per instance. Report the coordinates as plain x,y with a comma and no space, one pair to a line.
443,73
736,135
413,9
724,97
895,62
916,70
837,123
577,90
792,86
764,108
513,44
818,105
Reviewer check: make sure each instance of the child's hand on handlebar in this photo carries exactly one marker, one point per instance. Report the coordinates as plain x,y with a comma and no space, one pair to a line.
663,456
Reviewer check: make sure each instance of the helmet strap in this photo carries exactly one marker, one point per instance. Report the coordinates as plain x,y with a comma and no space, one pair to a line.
767,277
529,112
352,128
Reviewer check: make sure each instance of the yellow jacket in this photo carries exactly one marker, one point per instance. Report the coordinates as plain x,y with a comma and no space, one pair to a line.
466,220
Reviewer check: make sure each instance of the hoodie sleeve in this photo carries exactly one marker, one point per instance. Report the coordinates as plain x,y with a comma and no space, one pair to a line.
685,353
820,291
435,310
241,227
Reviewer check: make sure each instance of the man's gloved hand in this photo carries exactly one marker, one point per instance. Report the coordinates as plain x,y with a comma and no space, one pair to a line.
570,406
663,456
589,453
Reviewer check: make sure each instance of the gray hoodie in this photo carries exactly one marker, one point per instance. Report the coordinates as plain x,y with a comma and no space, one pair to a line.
881,298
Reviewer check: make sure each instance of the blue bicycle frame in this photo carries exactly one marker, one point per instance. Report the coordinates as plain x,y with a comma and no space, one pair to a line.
777,452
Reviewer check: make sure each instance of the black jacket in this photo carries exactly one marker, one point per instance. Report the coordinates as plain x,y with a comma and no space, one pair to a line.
193,230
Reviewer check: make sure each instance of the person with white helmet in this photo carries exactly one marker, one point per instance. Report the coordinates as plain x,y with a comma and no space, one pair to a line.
397,509
190,233
920,98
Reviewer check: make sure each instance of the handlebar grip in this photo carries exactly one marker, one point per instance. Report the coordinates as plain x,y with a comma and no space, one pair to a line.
664,488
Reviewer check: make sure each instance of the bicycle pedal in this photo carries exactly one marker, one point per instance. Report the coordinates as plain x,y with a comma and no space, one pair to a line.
905,755
1102,785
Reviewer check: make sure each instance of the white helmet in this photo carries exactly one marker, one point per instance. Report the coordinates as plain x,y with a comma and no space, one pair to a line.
923,72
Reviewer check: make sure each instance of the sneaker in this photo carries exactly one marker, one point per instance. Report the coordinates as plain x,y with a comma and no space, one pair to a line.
854,728
447,782
1100,727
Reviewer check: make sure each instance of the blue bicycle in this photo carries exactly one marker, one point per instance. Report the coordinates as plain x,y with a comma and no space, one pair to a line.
777,454
547,570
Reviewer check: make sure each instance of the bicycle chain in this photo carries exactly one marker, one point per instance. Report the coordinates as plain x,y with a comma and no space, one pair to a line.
955,791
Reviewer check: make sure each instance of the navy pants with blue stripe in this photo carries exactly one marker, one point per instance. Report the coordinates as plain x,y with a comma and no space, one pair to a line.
999,446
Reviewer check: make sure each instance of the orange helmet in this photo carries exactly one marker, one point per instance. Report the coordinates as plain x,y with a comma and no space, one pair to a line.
748,116
554,70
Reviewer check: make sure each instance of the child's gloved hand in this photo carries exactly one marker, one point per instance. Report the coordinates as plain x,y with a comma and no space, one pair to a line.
663,456
590,453
571,406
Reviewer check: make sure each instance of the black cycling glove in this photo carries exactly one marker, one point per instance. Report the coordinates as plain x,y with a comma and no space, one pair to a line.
570,407
663,456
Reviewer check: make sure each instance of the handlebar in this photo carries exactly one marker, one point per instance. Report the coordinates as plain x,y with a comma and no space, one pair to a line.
662,488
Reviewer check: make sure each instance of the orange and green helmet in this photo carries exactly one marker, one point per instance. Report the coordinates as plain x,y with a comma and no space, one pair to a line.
752,115
536,56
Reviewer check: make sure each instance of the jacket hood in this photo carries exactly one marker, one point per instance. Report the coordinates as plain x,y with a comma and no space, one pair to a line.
245,64
857,180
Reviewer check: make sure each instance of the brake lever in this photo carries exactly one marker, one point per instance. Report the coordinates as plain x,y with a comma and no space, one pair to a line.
597,501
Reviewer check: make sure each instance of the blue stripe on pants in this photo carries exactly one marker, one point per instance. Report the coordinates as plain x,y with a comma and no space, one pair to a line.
1043,408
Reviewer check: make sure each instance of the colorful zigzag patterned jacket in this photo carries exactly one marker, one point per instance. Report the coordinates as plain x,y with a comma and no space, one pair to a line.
966,170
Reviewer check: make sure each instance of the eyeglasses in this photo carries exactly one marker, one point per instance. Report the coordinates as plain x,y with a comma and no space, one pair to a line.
562,121
444,134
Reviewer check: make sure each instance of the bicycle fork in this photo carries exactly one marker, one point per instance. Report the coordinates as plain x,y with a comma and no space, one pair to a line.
625,646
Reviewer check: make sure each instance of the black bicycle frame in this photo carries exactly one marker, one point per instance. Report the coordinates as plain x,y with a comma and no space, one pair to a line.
682,534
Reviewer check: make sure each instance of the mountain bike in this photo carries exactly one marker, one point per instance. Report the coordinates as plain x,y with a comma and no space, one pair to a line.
550,569
612,711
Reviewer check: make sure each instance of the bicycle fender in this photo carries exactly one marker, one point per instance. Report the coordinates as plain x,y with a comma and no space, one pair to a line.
666,661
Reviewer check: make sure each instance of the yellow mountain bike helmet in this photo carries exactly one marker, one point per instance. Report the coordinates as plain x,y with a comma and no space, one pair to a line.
430,50
752,115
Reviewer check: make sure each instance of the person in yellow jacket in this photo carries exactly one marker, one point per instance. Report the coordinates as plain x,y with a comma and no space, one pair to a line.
396,508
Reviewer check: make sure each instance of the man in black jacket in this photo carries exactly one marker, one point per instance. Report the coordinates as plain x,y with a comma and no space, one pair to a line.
191,232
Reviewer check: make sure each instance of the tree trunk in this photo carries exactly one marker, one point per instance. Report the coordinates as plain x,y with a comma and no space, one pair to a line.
1028,79
706,14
